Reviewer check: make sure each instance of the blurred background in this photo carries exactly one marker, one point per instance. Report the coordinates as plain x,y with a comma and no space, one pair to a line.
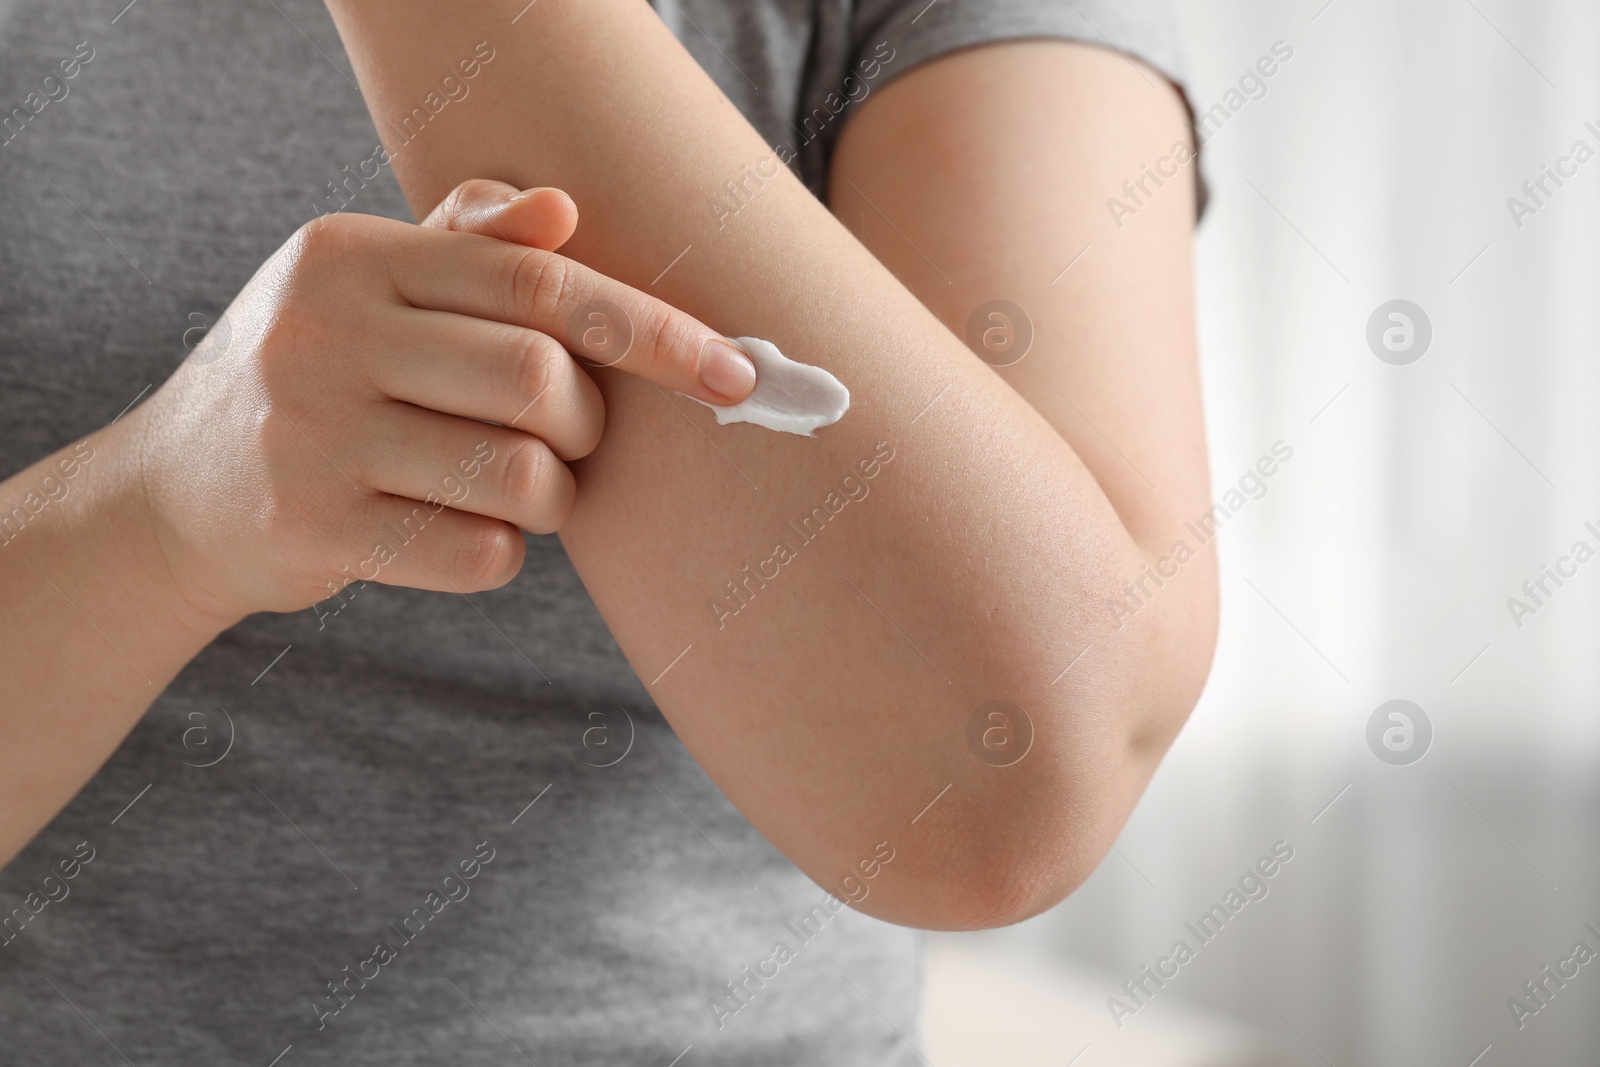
1435,874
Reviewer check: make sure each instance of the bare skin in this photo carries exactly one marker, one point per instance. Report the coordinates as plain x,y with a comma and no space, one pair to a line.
829,691
373,341
834,704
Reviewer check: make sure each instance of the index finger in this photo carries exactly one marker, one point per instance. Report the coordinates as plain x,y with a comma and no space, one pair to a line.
590,314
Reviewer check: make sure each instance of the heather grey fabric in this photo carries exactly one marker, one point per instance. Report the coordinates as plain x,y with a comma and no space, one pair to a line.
317,785
797,68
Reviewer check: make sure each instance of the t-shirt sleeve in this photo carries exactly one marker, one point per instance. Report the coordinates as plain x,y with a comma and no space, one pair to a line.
915,31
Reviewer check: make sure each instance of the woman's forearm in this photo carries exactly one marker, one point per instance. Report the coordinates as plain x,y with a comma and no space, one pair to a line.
92,631
818,636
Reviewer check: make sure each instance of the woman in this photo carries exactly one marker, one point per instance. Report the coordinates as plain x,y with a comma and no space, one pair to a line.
308,752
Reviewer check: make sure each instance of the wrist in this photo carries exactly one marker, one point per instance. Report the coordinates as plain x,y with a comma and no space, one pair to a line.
146,541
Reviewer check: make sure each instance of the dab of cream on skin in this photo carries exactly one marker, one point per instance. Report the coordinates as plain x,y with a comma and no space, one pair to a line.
790,397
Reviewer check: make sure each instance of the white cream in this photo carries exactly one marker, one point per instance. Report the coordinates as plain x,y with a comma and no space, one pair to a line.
789,396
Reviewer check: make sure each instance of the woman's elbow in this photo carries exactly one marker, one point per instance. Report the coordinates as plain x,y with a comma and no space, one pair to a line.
1019,834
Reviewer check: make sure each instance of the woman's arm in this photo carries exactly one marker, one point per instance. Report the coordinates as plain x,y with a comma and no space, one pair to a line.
94,626
818,637
123,555
999,164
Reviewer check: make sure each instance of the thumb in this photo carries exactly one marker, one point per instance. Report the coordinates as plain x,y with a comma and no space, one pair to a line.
537,218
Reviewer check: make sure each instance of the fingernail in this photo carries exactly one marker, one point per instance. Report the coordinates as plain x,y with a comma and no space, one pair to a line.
525,194
726,370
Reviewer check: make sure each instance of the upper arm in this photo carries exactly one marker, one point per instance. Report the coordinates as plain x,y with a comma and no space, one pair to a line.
826,683
982,176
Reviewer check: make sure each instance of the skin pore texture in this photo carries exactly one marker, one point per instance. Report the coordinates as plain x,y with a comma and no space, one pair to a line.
830,700
405,350
953,541
789,396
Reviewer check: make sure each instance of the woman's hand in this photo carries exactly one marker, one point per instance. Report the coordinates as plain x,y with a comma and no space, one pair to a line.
337,423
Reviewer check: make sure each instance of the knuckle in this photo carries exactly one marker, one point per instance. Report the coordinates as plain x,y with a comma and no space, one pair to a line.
453,204
487,555
539,284
292,330
312,237
672,340
288,354
320,285
326,234
463,199
592,430
535,368
556,514
528,470
327,247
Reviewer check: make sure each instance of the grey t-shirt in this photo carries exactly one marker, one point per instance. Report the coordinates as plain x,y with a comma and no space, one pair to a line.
402,828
